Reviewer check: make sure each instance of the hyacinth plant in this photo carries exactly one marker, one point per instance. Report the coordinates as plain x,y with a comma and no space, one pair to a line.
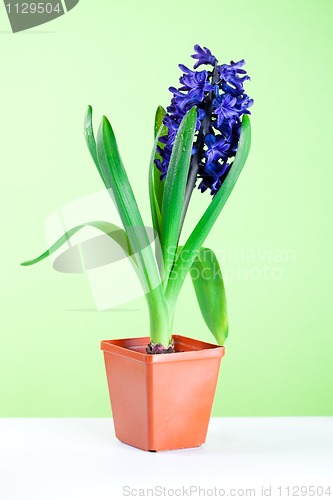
202,139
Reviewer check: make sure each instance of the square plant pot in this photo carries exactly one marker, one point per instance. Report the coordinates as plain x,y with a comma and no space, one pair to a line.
161,402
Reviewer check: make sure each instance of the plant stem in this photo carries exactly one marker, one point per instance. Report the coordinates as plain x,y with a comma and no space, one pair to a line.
160,328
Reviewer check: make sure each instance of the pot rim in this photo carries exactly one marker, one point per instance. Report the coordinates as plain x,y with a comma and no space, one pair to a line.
194,349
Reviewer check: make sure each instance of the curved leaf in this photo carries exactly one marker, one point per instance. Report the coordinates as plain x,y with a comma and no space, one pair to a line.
209,288
116,178
205,224
174,189
113,170
154,204
155,185
115,232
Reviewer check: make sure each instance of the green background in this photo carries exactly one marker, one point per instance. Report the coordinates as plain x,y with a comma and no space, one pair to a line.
121,57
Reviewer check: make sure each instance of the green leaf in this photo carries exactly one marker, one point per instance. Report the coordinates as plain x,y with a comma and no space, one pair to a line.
154,205
156,186
115,232
117,181
205,224
116,178
209,288
174,189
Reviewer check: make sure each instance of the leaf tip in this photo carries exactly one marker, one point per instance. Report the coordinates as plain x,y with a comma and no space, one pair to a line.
246,120
25,263
160,110
88,121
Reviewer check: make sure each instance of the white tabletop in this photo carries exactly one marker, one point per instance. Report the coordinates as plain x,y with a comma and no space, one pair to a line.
80,459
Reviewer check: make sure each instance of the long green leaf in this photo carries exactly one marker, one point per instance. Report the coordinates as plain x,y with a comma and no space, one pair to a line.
115,232
114,172
174,189
202,229
154,205
116,179
209,288
156,186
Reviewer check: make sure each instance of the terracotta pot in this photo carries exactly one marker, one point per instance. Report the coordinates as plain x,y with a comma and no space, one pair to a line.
161,402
